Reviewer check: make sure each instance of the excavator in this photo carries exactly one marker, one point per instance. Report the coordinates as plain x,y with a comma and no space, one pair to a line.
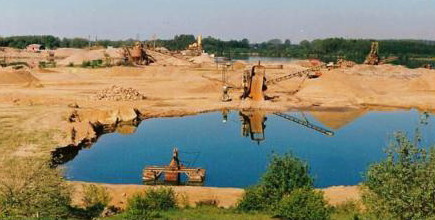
253,124
255,82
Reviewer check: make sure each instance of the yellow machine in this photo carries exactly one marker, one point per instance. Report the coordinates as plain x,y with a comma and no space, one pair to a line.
195,49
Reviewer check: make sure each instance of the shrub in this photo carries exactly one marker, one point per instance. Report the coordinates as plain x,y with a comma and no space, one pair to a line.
30,188
146,205
303,204
95,195
71,64
254,199
348,210
284,174
403,185
95,199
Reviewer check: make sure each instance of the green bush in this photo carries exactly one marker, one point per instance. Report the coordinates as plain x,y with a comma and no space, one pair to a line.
254,199
95,195
303,204
30,188
284,174
95,199
146,205
403,185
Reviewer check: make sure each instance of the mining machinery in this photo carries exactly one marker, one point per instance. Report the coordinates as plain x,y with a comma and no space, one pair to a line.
195,49
137,55
373,56
255,82
172,172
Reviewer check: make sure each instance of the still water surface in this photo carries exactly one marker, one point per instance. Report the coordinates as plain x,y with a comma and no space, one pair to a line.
233,160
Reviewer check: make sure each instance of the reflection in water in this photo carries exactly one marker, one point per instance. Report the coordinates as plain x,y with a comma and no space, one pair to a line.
253,123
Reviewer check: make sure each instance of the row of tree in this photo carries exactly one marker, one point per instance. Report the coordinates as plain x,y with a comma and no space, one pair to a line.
325,49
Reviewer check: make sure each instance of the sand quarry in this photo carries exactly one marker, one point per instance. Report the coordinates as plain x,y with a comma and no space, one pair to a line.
72,98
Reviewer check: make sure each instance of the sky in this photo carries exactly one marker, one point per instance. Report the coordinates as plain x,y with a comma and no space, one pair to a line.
257,20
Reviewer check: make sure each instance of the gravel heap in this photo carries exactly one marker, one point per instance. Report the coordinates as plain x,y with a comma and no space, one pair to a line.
117,93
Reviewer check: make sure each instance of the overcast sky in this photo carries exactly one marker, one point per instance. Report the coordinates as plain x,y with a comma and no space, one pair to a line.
257,20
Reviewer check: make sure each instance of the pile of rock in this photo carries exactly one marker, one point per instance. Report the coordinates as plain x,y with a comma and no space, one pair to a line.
117,93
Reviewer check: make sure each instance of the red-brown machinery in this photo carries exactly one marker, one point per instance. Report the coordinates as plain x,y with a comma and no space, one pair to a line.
173,171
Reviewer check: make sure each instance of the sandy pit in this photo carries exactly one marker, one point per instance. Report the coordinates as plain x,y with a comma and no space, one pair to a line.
174,86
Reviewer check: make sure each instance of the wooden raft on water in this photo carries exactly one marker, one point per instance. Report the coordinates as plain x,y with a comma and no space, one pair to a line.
173,171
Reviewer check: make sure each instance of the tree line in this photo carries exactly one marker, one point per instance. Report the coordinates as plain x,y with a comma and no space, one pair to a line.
324,49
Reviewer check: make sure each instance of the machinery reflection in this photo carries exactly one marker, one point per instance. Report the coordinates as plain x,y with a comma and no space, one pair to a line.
253,123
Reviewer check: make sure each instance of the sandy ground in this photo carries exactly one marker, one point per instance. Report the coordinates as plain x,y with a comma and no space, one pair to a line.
226,197
176,87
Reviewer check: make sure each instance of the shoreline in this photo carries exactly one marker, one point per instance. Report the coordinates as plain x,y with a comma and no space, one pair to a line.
227,197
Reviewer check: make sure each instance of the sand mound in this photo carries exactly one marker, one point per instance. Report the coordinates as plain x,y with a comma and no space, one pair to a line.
239,65
202,59
17,77
385,70
66,52
79,56
167,60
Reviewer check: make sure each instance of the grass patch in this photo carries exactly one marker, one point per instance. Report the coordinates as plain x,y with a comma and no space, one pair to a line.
204,213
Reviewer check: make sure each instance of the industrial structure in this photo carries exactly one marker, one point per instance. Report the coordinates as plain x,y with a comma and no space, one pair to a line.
137,55
255,82
196,48
373,57
173,171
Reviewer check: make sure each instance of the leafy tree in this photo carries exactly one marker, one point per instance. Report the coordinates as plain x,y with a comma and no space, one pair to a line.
284,174
403,185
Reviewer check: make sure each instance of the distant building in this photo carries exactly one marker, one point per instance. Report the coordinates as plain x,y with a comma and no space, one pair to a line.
34,48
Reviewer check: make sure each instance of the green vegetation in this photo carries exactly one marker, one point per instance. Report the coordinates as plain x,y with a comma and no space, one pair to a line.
403,185
30,188
284,174
95,199
303,204
148,204
204,213
92,64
